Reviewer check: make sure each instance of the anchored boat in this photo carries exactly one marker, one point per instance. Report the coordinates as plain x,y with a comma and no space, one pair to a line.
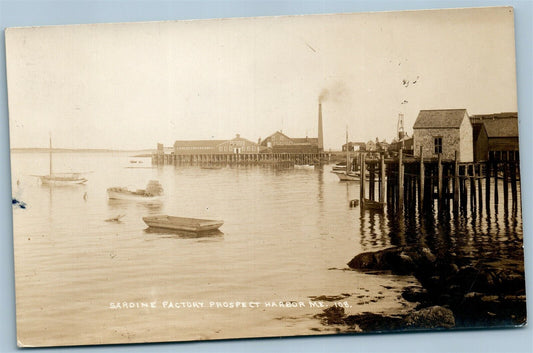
304,166
373,205
60,179
348,177
195,225
153,192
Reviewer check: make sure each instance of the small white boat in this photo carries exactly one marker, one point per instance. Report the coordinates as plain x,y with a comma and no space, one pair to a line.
60,179
348,177
153,192
347,174
195,225
304,166
339,167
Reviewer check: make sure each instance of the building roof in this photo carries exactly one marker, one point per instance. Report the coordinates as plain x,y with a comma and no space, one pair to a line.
310,140
264,142
296,140
356,143
440,118
504,115
198,143
501,127
239,138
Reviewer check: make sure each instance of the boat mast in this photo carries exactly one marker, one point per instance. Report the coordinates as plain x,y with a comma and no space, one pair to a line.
348,167
50,136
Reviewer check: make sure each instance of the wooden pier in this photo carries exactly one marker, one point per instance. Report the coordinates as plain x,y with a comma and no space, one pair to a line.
239,158
406,184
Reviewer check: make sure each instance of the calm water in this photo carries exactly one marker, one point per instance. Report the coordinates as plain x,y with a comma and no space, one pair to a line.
287,236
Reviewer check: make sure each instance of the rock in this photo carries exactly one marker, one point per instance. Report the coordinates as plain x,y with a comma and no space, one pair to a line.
478,292
399,260
363,261
432,317
370,322
488,279
415,294
332,316
480,309
329,298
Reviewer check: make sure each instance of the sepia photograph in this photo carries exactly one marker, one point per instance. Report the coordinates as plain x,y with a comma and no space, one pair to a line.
260,177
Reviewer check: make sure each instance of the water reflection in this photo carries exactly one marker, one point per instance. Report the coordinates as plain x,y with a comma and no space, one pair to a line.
179,234
466,234
152,207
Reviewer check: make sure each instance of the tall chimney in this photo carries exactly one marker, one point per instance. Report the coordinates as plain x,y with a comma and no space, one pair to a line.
320,133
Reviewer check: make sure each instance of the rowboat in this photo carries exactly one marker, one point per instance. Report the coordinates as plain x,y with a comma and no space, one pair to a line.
338,171
153,192
339,167
373,205
195,225
348,177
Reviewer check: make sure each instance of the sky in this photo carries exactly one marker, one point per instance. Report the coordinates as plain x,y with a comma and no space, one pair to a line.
132,85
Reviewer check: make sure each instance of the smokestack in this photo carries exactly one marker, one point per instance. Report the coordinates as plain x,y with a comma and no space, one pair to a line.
320,133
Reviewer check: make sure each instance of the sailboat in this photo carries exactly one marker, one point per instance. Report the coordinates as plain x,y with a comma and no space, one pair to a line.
347,175
60,179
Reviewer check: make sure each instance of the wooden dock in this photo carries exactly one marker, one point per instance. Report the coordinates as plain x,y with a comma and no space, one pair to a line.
407,182
239,158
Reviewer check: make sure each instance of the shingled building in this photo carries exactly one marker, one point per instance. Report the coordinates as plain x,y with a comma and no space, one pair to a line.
444,131
495,136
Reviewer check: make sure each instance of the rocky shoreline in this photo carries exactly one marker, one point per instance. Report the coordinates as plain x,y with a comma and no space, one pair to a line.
455,292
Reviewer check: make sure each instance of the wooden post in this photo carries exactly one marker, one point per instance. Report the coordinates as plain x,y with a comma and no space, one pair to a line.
390,201
487,186
363,179
371,184
463,171
456,184
496,196
439,180
382,175
505,185
422,179
479,188
473,189
400,181
361,182
514,192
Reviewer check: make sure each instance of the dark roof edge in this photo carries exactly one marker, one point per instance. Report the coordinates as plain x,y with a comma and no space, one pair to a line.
437,127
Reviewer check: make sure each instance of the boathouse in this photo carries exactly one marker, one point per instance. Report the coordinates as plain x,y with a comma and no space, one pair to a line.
445,132
278,142
495,136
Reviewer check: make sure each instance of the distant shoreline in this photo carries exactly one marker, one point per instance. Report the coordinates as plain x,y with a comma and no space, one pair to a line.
140,153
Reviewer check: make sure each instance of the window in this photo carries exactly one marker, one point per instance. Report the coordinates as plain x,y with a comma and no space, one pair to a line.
438,145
